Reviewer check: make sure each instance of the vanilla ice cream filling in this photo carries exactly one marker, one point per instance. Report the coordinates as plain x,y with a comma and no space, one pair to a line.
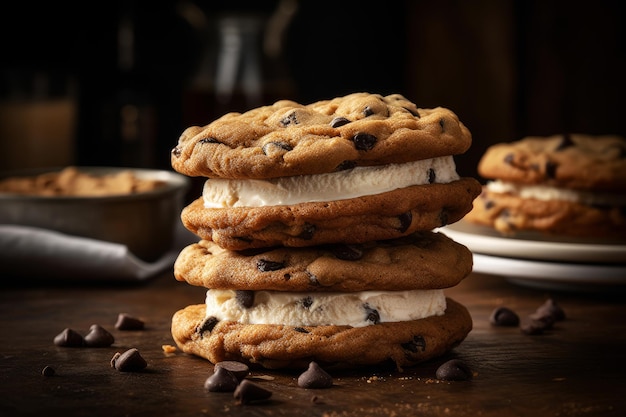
341,185
356,309
547,193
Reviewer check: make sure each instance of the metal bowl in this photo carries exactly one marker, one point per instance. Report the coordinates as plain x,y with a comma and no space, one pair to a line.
145,222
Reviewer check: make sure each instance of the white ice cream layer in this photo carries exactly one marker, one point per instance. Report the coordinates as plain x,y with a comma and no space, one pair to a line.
356,309
547,193
341,185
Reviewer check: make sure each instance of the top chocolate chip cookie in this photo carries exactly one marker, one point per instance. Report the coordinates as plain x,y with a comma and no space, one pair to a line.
288,139
569,161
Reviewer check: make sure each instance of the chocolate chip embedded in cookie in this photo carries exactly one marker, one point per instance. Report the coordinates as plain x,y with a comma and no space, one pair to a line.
290,139
278,346
387,215
423,260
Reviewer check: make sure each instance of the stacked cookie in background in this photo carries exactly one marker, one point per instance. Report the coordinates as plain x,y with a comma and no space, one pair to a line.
566,186
316,226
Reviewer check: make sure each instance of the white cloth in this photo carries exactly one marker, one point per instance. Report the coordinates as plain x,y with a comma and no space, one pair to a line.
45,254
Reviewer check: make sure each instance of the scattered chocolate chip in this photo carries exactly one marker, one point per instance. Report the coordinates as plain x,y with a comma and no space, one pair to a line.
69,338
566,142
48,371
338,122
301,330
503,316
207,325
245,298
306,302
371,314
509,159
405,221
177,152
489,204
367,111
315,377
347,252
239,369
454,370
208,140
98,336
532,328
551,308
248,392
129,361
431,176
364,141
127,322
222,380
417,344
267,148
442,123
308,230
291,118
263,265
313,280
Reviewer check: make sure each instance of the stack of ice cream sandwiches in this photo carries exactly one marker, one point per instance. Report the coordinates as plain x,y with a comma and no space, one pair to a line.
317,234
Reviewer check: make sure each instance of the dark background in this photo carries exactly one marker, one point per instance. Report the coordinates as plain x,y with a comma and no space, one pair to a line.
507,68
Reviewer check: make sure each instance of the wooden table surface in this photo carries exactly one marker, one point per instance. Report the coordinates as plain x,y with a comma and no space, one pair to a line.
576,369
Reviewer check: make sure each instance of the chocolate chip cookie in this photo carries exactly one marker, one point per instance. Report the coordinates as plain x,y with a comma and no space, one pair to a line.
423,260
356,220
288,139
561,185
277,346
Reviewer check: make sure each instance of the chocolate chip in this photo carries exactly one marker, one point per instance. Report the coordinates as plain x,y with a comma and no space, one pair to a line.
338,122
509,159
48,371
208,140
489,204
98,336
443,217
442,124
222,380
532,328
367,111
69,338
550,169
291,118
417,344
267,148
405,221
454,370
431,176
315,377
245,298
306,302
503,316
263,265
177,152
127,322
207,325
346,165
308,230
371,314
248,392
347,252
313,280
129,361
364,141
551,308
566,142
239,369
301,330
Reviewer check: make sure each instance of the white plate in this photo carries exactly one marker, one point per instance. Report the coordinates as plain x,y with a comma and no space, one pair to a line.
484,240
552,275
